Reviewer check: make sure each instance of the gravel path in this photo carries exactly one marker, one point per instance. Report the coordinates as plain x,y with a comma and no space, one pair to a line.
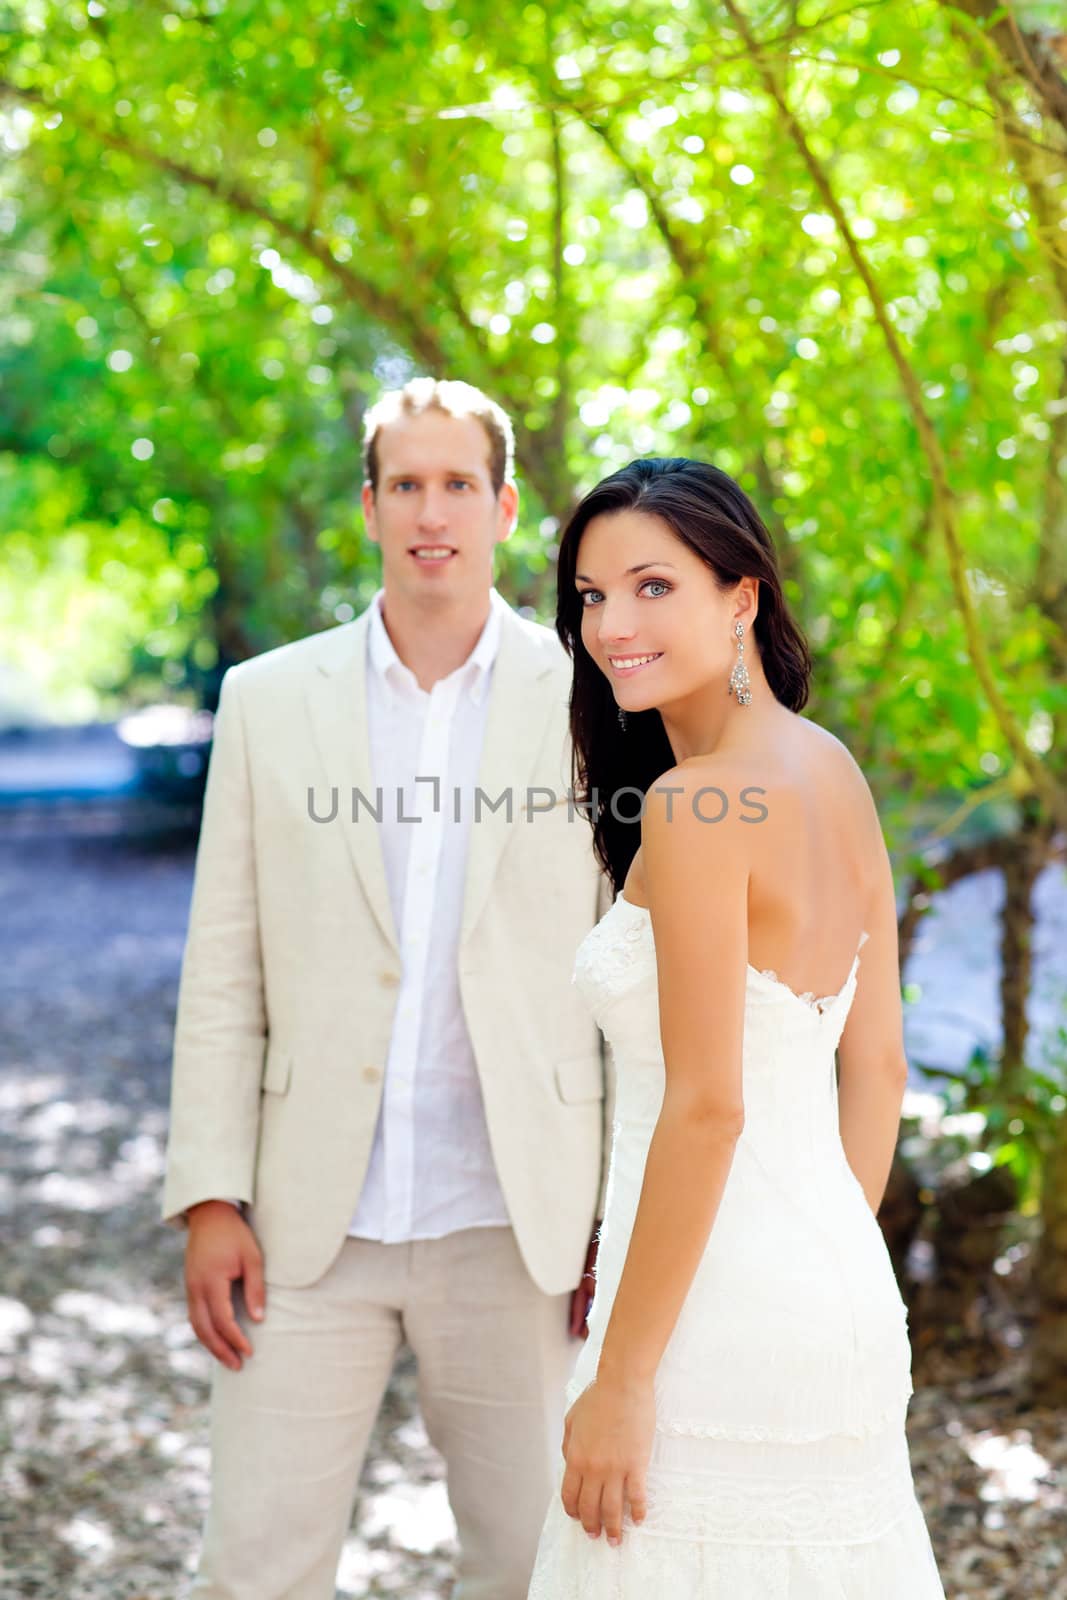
103,1461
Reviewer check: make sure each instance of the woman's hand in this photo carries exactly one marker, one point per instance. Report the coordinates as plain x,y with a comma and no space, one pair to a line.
607,1443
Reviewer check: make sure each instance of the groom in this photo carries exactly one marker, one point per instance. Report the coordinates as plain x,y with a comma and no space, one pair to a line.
388,1099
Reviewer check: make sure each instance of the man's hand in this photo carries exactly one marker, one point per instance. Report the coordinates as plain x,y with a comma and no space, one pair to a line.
582,1298
221,1248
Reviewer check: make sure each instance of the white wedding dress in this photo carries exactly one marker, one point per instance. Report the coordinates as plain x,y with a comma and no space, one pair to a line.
780,1468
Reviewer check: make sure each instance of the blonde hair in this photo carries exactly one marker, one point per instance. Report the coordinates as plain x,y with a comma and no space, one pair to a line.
453,399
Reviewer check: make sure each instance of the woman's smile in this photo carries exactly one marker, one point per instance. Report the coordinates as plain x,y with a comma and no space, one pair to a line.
626,666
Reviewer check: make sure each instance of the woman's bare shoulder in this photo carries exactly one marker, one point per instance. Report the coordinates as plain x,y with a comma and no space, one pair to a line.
835,778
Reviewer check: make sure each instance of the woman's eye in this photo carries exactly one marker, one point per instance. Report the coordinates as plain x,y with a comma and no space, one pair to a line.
654,586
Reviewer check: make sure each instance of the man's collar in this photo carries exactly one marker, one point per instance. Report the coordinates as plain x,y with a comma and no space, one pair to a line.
476,669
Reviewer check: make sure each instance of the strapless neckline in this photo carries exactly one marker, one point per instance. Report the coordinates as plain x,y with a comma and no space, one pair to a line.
819,1005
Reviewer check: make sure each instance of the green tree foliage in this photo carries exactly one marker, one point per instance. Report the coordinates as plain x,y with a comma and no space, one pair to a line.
823,245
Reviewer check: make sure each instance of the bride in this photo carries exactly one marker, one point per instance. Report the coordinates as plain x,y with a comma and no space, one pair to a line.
736,1430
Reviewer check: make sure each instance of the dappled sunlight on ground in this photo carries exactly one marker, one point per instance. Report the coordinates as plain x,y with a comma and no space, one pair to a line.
1014,1469
103,1439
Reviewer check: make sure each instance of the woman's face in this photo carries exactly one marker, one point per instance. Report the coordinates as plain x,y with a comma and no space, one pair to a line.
653,618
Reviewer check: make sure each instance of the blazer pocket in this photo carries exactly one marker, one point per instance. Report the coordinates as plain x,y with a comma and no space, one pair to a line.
579,1079
276,1070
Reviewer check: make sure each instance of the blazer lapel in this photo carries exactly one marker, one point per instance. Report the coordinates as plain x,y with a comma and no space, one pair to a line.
515,728
336,693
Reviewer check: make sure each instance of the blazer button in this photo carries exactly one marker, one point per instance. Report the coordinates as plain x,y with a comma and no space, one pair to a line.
371,1074
388,980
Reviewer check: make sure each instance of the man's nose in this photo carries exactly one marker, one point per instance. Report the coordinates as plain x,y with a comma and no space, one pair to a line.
433,513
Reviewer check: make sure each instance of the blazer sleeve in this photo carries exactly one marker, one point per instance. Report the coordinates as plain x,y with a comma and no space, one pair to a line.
221,1028
604,898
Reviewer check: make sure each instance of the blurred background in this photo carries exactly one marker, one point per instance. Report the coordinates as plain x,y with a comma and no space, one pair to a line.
822,244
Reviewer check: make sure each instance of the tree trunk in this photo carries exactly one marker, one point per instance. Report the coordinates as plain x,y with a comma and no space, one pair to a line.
1026,854
1048,1351
971,1214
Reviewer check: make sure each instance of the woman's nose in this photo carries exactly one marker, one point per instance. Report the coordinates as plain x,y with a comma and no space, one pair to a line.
616,625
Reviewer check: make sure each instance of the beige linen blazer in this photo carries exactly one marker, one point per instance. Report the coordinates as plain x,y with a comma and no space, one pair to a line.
291,968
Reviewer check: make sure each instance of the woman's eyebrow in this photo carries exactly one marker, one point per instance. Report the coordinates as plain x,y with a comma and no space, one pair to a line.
630,570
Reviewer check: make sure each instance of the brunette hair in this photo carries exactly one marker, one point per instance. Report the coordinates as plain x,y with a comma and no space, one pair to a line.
713,516
453,399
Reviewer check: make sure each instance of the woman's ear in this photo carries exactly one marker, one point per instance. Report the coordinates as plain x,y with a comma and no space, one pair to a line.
746,606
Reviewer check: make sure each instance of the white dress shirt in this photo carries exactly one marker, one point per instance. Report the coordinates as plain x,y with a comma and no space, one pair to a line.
431,1168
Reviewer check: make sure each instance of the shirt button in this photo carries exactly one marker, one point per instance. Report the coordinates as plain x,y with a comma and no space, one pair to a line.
388,980
371,1074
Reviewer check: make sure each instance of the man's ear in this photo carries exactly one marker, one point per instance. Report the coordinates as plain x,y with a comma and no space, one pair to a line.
508,501
369,516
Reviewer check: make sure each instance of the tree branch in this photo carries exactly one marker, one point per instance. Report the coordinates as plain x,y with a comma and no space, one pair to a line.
1027,54
1049,587
561,309
407,322
687,264
381,308
944,500
939,872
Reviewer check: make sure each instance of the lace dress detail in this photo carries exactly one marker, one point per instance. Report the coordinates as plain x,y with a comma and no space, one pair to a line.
808,997
780,1468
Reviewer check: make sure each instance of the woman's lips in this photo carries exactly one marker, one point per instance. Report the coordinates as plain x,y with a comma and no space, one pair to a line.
626,666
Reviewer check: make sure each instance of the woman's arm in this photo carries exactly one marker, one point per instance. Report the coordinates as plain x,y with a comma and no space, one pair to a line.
872,1066
697,879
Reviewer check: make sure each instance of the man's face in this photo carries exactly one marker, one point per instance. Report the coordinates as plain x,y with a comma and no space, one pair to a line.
434,513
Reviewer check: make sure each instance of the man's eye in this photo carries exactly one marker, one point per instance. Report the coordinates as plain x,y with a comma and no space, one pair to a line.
460,483
404,483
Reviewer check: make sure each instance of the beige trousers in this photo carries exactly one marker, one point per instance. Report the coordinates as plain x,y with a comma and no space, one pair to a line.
289,1431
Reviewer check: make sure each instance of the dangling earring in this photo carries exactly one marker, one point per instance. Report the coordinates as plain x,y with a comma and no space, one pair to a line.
738,684
622,719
